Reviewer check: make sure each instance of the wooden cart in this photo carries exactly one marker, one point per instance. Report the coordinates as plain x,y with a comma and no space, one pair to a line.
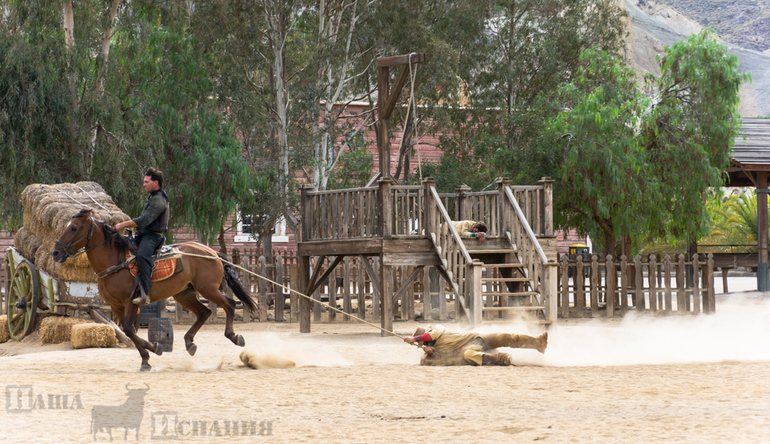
31,289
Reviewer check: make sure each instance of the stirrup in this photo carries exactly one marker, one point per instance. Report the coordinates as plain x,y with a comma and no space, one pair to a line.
143,299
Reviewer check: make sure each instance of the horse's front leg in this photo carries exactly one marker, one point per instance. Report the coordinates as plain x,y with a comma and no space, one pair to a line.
129,316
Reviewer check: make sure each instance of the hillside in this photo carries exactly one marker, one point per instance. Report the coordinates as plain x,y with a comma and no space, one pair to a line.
744,23
653,25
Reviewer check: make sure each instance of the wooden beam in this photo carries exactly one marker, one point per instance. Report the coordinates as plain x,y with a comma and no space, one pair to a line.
394,94
312,277
409,281
372,275
325,275
401,59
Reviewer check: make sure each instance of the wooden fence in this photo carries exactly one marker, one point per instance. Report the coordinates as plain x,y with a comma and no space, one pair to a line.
348,288
662,286
671,285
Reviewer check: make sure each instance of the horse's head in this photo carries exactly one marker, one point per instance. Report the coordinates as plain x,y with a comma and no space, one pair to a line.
76,235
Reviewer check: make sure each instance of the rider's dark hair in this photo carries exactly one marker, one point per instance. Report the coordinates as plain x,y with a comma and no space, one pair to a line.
155,174
481,226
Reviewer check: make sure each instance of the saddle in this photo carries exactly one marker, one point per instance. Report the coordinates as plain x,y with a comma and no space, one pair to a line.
167,261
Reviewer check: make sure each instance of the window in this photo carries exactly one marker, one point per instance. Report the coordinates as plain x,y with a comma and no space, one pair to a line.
247,229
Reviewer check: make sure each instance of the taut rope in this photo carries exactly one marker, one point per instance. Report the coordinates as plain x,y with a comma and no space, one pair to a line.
296,292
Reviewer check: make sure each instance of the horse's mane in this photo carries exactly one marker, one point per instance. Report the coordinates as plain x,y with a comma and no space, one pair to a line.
117,239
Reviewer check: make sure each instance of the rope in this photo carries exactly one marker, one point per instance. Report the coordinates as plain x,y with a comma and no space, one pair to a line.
296,292
412,77
81,203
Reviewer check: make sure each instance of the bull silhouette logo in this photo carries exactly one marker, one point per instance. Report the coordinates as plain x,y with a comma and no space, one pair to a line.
127,415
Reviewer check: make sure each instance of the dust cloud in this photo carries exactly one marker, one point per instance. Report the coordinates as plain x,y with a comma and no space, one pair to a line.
738,331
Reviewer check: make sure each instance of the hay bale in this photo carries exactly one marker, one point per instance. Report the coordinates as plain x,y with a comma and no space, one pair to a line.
265,360
57,329
93,335
48,209
4,335
27,243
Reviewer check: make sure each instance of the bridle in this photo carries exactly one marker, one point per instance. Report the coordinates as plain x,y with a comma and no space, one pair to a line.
67,248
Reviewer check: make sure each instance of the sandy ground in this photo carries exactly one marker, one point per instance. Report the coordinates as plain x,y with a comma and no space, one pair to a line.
640,379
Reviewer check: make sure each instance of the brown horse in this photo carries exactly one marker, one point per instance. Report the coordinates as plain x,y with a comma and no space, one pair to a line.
203,272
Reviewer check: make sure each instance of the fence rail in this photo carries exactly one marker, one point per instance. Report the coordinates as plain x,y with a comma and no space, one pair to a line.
672,285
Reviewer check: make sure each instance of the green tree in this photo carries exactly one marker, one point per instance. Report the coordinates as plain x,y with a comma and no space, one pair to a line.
603,177
641,167
519,55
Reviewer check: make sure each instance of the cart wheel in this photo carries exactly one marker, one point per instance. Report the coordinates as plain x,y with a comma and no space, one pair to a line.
22,300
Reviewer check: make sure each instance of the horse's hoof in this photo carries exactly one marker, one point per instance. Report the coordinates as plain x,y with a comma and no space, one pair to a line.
239,341
192,349
145,368
158,348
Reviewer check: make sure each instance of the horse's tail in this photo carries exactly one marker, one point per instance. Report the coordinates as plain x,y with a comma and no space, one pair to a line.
231,277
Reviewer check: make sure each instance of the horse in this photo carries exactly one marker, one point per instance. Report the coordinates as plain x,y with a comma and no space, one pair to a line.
203,272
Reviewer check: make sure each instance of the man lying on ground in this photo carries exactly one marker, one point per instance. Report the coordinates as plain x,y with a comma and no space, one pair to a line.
446,347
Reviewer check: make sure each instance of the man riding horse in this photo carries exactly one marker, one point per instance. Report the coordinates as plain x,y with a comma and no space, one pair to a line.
152,223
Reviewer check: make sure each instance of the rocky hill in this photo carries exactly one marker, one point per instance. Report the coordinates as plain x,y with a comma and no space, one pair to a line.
653,25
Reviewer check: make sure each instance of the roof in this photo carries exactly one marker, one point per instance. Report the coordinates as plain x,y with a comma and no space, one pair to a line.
751,153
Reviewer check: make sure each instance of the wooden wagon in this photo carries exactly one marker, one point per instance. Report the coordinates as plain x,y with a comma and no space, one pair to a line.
31,289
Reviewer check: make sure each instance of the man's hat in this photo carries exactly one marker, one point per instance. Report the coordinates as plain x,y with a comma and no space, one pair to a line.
419,331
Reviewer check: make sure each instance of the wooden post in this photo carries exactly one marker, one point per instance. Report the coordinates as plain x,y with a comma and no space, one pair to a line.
564,273
502,221
681,283
376,287
332,280
430,207
303,279
594,280
611,282
427,303
651,282
303,275
623,293
280,298
347,305
552,292
762,265
712,305
667,293
262,285
383,130
462,210
696,293
547,206
361,275
639,302
476,302
578,279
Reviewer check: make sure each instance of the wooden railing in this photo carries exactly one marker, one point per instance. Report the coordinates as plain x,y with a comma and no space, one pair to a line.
612,287
542,274
407,207
340,214
486,206
461,271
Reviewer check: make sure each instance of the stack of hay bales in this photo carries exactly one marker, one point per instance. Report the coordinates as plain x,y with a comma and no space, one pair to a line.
57,329
92,334
47,210
5,336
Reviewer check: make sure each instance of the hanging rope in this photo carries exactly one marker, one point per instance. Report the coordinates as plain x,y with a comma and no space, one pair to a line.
412,77
217,258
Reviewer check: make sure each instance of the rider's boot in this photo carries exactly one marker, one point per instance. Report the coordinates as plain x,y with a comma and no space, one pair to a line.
142,299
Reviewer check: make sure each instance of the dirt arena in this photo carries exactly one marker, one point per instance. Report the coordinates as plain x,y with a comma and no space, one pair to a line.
641,379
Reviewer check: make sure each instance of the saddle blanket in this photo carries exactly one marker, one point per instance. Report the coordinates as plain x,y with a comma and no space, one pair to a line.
167,262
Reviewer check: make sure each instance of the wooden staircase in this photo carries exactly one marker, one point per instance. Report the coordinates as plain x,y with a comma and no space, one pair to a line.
507,291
